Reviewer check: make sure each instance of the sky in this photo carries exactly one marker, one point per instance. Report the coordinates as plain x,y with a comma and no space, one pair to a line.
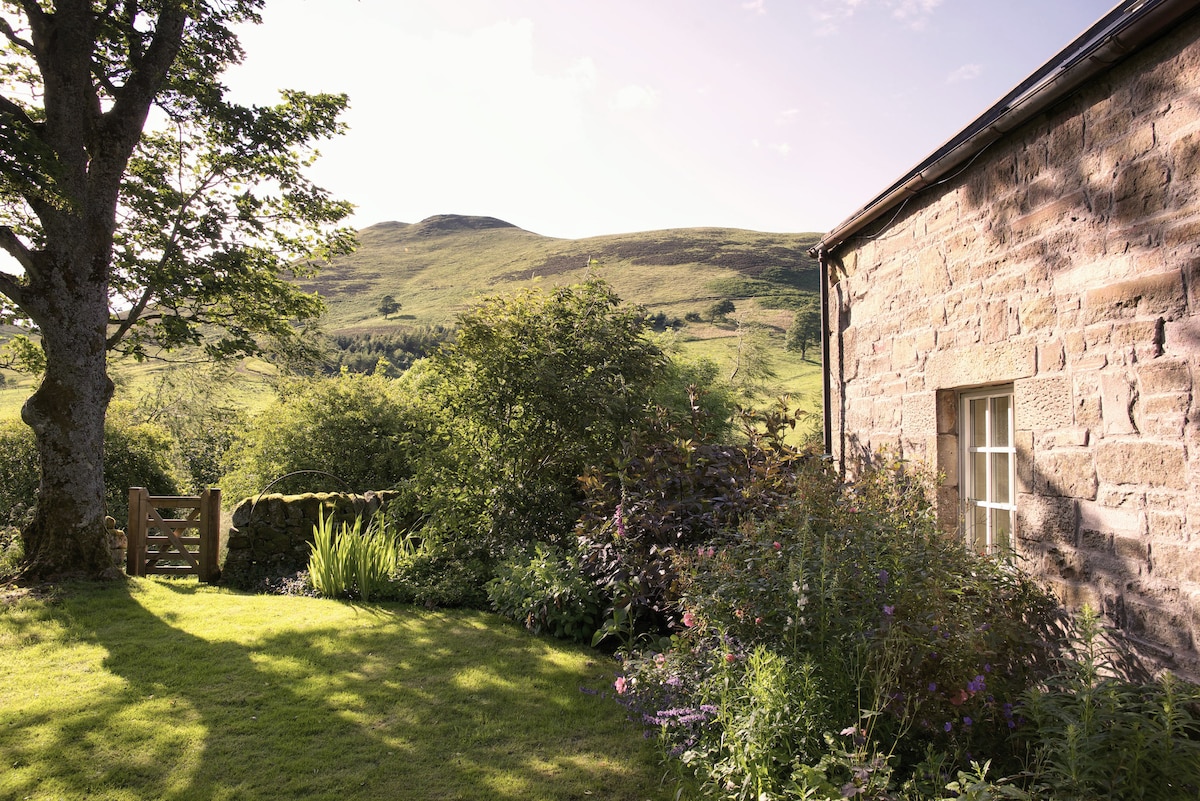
575,119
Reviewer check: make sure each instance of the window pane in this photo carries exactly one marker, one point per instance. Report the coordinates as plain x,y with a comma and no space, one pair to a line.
1000,432
1001,491
979,423
979,476
1001,529
979,528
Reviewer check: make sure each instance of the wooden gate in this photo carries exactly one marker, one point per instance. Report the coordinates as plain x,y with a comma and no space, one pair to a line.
158,544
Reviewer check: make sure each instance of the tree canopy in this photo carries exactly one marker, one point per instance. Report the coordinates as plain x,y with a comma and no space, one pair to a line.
146,212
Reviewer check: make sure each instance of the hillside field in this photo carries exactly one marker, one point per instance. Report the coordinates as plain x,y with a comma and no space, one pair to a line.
437,268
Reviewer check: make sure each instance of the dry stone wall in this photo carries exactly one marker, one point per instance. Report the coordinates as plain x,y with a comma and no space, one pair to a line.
270,536
1065,261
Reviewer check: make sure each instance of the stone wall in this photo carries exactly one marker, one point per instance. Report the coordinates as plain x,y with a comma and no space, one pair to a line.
270,536
1065,261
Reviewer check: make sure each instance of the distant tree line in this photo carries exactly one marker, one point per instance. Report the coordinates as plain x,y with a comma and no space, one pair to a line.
361,353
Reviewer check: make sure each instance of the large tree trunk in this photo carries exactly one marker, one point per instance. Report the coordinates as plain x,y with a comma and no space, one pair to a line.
67,535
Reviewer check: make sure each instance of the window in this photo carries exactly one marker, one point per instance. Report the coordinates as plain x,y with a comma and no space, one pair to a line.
988,483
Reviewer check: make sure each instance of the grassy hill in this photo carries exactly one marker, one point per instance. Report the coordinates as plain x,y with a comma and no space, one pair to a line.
437,267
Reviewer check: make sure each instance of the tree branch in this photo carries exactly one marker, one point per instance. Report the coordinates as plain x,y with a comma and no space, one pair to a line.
11,36
13,246
130,319
11,288
11,109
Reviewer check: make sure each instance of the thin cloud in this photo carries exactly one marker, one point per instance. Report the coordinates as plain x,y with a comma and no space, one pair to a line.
914,13
755,6
635,98
967,72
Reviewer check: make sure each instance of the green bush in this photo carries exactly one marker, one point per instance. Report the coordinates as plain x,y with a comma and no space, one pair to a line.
356,428
536,388
135,455
449,574
192,405
547,593
18,473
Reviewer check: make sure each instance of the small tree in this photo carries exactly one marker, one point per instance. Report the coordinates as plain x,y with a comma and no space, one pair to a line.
721,310
804,331
536,389
388,306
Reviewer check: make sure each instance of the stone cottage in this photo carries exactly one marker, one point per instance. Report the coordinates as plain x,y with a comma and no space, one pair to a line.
1021,311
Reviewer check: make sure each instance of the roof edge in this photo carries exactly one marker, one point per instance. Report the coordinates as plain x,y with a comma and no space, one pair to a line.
1127,28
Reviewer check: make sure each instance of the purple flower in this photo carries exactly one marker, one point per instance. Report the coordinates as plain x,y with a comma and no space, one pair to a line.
933,687
949,726
883,577
977,684
888,609
967,721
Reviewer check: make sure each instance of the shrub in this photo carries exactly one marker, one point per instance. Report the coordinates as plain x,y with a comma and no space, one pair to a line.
357,428
137,455
547,593
537,389
450,574
18,473
867,636
674,487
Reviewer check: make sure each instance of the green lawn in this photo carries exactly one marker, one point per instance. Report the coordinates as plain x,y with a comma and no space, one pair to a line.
168,689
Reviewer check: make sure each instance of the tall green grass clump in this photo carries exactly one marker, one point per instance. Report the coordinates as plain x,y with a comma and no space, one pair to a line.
1097,732
351,562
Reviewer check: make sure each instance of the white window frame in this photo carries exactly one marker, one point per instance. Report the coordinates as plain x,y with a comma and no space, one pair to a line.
989,540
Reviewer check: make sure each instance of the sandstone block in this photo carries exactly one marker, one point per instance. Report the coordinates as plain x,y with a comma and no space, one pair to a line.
1116,403
920,414
1155,464
1157,294
1167,525
1046,519
1043,402
1037,313
1023,441
1165,376
934,277
1066,473
982,364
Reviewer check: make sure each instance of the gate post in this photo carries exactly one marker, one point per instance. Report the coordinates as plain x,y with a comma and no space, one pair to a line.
135,554
210,534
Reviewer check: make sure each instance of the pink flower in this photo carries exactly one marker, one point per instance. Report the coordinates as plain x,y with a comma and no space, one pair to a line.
689,619
621,685
776,545
660,660
758,621
730,658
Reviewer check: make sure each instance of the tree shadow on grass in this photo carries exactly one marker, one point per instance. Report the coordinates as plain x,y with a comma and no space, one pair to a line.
386,703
